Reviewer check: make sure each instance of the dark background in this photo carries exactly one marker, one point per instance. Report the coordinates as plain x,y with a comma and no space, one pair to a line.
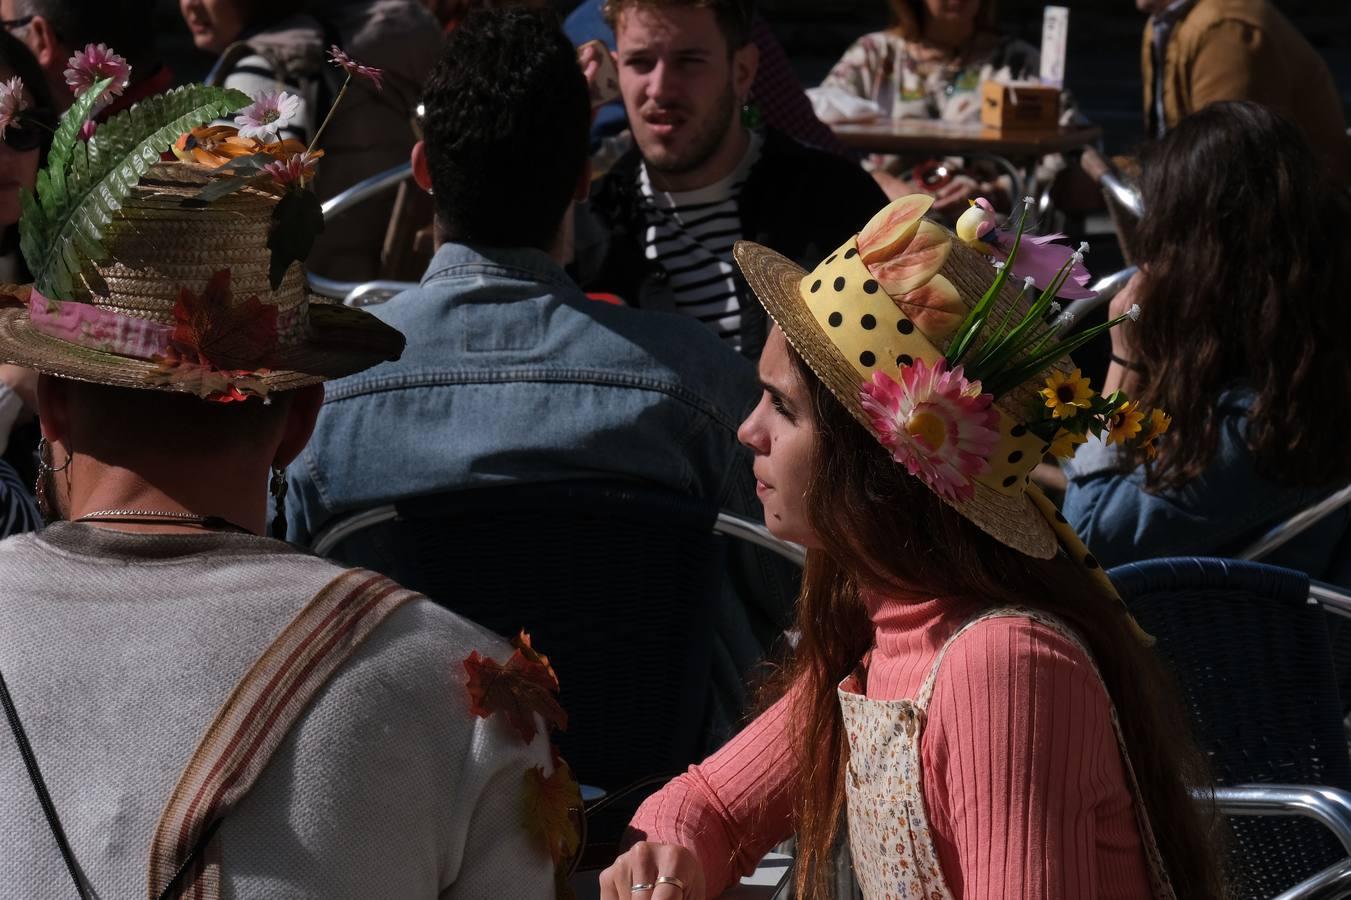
1103,69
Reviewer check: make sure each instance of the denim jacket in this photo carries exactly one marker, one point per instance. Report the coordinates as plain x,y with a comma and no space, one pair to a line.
1228,507
511,374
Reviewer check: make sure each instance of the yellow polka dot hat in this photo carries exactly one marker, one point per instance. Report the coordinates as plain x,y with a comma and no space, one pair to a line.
946,360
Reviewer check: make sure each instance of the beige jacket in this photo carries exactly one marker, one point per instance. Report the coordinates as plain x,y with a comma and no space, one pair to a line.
1247,50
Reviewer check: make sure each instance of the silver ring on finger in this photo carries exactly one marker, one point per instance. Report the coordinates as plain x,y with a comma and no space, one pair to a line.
671,880
639,888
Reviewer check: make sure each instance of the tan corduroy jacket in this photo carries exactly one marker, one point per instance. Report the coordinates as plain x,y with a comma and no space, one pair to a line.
1247,50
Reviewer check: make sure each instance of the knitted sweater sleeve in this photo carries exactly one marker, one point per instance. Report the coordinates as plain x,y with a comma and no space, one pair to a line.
732,808
1023,777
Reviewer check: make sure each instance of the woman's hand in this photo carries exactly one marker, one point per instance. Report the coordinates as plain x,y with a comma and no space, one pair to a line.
643,864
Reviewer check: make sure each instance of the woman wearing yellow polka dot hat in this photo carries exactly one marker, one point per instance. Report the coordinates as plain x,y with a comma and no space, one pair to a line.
967,693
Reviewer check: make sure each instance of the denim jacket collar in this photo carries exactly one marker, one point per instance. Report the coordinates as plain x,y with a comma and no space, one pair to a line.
453,260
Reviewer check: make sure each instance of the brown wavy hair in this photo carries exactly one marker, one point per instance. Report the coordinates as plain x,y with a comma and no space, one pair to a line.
860,500
1244,245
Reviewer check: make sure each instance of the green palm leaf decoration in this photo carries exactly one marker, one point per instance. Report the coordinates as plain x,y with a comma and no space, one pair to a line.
84,183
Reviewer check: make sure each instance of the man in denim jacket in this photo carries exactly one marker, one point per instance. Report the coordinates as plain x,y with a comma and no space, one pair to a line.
511,374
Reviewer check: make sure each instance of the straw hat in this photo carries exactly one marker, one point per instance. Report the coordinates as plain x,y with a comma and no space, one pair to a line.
181,301
892,298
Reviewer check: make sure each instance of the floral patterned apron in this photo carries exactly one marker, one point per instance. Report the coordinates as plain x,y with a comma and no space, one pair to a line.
889,837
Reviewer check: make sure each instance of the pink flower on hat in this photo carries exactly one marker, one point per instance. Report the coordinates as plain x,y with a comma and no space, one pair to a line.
270,112
93,64
936,423
352,67
298,167
12,102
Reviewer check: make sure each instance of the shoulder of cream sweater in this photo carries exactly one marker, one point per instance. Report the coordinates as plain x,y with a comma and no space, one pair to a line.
405,689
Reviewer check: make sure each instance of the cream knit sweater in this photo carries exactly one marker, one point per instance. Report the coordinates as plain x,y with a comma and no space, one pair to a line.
119,648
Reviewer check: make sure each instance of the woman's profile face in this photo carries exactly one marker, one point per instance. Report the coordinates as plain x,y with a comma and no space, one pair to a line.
18,168
215,24
781,432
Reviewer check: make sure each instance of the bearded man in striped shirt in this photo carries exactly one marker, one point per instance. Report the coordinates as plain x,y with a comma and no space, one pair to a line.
698,179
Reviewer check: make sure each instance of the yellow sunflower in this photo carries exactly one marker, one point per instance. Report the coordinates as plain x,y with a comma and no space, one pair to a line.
1125,424
1067,394
1065,443
1155,425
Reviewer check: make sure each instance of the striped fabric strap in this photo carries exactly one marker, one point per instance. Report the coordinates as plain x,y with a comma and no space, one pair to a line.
253,722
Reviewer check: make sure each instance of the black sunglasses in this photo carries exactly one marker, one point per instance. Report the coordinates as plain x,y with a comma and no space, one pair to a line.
16,23
24,137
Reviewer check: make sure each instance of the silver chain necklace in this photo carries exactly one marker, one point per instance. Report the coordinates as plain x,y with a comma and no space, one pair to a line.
155,516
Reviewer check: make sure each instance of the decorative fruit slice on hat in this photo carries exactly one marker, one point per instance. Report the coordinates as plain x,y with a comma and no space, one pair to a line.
888,232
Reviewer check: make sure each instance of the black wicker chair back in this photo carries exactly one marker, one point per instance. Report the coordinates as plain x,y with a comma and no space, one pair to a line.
1253,662
615,582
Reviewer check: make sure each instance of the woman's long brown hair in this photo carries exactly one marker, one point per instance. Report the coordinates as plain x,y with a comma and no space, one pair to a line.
1245,247
882,530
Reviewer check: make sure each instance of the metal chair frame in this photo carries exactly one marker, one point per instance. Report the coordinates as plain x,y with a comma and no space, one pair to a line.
1330,807
728,523
354,293
1296,525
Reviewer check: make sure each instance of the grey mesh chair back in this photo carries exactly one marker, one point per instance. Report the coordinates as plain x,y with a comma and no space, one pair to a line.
615,582
1253,662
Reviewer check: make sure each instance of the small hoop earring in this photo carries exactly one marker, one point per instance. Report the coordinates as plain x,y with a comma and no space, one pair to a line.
277,488
41,484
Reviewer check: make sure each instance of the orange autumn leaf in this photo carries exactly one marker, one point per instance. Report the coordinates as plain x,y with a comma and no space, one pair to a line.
520,690
522,643
235,337
549,808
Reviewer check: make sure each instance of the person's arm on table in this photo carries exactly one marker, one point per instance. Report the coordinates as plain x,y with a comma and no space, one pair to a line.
713,824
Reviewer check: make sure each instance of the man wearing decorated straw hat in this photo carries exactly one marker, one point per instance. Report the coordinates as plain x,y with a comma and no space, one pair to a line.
193,709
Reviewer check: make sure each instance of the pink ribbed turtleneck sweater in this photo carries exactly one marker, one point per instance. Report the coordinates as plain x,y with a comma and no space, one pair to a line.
1022,776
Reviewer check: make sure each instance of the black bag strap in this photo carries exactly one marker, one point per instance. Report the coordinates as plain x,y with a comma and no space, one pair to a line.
82,886
30,762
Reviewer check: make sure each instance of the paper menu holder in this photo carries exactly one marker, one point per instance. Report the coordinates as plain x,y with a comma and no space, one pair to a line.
1019,105
1055,29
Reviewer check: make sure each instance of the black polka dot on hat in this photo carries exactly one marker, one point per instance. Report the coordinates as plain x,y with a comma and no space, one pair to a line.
867,358
1008,482
1018,430
816,285
1015,456
868,322
870,286
831,260
850,253
835,320
1090,561
905,326
905,359
839,283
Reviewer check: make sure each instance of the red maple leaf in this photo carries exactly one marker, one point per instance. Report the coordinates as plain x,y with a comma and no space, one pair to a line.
222,335
519,690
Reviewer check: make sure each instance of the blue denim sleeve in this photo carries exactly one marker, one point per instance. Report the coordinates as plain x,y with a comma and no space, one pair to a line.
1216,513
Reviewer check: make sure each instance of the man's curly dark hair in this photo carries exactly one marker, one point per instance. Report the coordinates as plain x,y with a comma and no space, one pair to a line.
506,124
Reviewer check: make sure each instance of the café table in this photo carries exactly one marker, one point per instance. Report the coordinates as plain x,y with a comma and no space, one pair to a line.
1016,151
907,137
769,881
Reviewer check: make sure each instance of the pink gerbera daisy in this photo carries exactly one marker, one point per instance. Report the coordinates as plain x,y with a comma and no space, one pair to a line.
295,168
270,112
12,102
936,423
95,63
352,67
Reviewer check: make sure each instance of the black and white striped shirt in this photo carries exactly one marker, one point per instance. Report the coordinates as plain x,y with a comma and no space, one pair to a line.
691,235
